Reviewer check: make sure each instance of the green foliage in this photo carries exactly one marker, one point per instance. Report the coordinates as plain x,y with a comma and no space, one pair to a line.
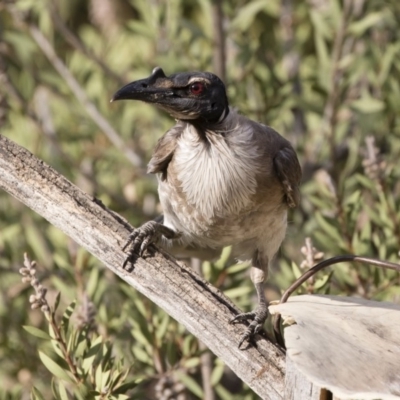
325,74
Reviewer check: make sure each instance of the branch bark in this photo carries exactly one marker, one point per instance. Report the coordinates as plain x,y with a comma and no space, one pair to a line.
177,289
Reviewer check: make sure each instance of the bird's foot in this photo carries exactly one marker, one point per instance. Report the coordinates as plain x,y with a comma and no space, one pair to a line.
140,239
257,318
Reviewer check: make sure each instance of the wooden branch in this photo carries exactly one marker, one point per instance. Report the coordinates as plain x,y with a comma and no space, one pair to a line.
177,289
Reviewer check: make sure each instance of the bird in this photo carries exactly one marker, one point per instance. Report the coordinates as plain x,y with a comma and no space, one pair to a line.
223,180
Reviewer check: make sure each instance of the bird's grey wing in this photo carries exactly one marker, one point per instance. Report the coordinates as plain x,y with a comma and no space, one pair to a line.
288,170
164,151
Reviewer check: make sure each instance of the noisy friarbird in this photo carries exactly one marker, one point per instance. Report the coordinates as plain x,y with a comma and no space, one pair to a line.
223,179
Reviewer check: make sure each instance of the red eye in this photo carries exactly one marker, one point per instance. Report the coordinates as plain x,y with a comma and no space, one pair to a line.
196,88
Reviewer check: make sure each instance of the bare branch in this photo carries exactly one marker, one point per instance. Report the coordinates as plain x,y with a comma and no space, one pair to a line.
182,293
80,94
332,102
76,43
219,53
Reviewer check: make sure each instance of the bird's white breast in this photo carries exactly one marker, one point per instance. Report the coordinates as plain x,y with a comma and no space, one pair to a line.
217,176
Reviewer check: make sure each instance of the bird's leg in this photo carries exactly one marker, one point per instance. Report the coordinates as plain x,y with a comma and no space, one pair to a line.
150,232
258,274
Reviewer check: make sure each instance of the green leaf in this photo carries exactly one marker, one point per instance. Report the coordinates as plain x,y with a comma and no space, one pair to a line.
54,342
238,291
55,368
191,362
101,377
329,227
66,317
85,393
190,384
365,181
297,272
37,332
63,286
78,342
36,395
93,282
353,198
162,327
139,304
62,391
140,335
106,359
246,15
323,281
90,357
125,387
141,355
370,20
36,240
387,63
57,301
238,268
54,388
223,260
217,373
368,105
116,378
122,397
223,393
188,344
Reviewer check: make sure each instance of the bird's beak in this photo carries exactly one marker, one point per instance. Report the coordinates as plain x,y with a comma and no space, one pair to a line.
151,89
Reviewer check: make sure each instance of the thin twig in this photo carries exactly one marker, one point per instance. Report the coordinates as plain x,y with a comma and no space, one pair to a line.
331,106
219,54
77,44
82,97
291,63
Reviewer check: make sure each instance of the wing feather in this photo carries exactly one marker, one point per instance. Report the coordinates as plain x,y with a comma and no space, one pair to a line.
164,151
288,170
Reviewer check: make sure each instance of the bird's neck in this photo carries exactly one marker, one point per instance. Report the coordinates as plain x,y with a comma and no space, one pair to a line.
202,125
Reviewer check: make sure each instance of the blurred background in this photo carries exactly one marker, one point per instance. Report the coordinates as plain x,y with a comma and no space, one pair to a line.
323,73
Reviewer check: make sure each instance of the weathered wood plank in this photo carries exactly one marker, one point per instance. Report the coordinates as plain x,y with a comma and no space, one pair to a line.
297,386
350,346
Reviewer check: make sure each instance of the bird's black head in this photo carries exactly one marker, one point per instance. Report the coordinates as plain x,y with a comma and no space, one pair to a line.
188,96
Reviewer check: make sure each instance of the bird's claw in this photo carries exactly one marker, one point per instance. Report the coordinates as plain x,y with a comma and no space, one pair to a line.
140,239
257,317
